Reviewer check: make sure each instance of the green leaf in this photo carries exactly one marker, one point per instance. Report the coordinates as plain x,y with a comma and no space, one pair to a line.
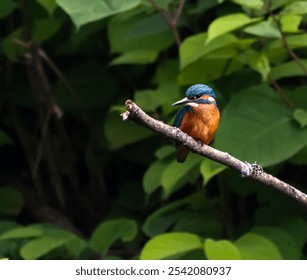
170,245
209,169
6,8
221,250
128,32
249,134
110,231
284,241
152,176
136,57
260,63
227,23
175,174
21,232
297,8
43,29
300,115
120,133
288,69
255,247
49,5
263,29
85,12
11,201
39,247
290,23
252,4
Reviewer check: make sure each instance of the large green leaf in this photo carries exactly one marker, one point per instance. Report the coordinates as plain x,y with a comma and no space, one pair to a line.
297,8
85,11
22,232
49,5
6,7
209,169
284,241
252,4
289,69
257,125
110,231
170,245
264,29
228,23
255,247
221,250
136,57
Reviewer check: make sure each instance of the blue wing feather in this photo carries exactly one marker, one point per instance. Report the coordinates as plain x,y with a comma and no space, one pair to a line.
180,114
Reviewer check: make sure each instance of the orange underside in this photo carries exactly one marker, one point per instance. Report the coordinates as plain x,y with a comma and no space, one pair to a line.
201,124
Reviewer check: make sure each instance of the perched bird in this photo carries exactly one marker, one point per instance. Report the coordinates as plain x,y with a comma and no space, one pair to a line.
199,117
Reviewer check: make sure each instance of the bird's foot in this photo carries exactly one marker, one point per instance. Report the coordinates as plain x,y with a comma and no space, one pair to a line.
251,169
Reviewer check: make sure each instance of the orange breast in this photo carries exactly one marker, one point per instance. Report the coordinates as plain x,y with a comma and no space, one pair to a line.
201,123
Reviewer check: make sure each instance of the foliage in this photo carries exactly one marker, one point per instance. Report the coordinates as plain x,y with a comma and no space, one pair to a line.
78,183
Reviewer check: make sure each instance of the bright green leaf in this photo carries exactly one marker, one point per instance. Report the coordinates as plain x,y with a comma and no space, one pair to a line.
209,169
255,247
6,8
21,232
136,57
290,23
249,134
300,115
49,5
11,201
164,151
88,11
39,247
289,69
227,23
252,4
263,29
169,245
297,8
260,63
221,250
110,231
120,133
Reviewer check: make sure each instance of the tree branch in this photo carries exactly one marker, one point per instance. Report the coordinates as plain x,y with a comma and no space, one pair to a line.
253,171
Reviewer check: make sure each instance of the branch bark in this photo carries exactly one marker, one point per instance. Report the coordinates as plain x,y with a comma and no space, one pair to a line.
254,171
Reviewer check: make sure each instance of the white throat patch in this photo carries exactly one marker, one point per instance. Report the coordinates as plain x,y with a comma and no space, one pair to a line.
193,104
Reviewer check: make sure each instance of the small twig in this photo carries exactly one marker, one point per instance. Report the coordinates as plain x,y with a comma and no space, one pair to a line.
253,171
171,20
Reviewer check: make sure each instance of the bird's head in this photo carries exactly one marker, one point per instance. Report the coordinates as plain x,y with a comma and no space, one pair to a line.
197,94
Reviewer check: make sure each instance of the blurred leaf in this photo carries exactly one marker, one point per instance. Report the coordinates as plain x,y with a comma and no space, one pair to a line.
284,241
120,133
136,57
86,12
152,176
110,231
288,69
11,201
44,29
209,169
260,63
263,29
122,38
4,139
7,226
250,135
49,5
221,250
227,23
164,151
6,8
176,174
9,47
297,8
255,247
252,4
290,23
39,247
168,245
300,115
21,232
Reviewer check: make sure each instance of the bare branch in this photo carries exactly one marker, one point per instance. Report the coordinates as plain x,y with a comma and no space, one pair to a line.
253,171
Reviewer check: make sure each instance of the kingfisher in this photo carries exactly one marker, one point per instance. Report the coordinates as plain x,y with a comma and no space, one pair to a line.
199,117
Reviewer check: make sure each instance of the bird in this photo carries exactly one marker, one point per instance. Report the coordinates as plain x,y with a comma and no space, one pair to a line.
199,117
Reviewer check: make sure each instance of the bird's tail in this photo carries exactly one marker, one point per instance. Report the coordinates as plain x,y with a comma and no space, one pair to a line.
182,153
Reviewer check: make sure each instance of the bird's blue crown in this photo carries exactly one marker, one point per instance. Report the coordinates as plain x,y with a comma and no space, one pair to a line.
199,90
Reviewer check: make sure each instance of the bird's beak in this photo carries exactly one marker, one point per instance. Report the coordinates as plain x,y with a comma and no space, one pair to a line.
182,101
